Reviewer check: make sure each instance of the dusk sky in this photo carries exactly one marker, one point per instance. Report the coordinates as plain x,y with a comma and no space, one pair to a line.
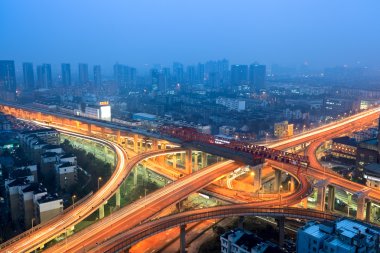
138,32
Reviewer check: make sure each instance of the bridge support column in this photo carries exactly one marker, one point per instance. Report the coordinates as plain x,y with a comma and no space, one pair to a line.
257,170
182,240
321,195
118,139
277,180
101,212
135,173
368,211
204,160
117,195
331,198
281,230
241,222
154,144
291,184
188,161
135,143
360,209
174,161
196,161
163,146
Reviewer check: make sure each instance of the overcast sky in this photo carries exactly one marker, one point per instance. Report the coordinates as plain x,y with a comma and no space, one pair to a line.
138,32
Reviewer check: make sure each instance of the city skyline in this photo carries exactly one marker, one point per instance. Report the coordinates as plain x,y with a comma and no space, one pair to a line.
311,33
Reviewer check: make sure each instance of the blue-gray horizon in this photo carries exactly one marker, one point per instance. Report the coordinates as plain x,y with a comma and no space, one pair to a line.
140,33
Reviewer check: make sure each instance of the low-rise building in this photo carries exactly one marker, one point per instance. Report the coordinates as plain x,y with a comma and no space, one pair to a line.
241,241
372,175
344,148
283,129
231,103
28,196
66,175
48,207
341,236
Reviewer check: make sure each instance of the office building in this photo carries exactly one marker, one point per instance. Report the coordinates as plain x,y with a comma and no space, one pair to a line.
239,75
231,103
241,241
344,148
28,72
97,75
66,74
283,129
372,175
48,207
44,76
7,80
257,75
82,74
154,78
125,77
178,76
340,236
99,111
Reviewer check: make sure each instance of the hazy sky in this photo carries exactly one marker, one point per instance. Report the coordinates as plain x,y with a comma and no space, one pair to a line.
136,32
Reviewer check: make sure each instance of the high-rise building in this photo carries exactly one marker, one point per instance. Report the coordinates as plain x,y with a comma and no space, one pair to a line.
66,74
178,72
239,75
191,75
7,76
27,69
97,75
44,79
155,79
124,76
200,73
257,75
83,73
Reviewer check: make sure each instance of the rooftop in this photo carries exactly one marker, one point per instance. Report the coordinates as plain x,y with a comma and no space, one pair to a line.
346,141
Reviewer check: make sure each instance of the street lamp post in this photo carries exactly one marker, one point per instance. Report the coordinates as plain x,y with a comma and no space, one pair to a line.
73,199
99,179
33,219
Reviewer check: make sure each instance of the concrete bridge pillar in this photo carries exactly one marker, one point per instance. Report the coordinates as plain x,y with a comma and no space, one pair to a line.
118,139
154,144
188,161
321,198
117,195
291,184
101,212
163,146
135,173
360,210
174,161
281,230
257,176
182,240
241,222
204,160
277,180
135,143
368,211
331,198
196,161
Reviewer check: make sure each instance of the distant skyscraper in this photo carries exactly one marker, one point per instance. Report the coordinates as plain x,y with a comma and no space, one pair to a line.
239,75
178,72
7,76
97,75
66,74
191,75
200,73
257,75
44,79
124,76
155,79
27,69
83,73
